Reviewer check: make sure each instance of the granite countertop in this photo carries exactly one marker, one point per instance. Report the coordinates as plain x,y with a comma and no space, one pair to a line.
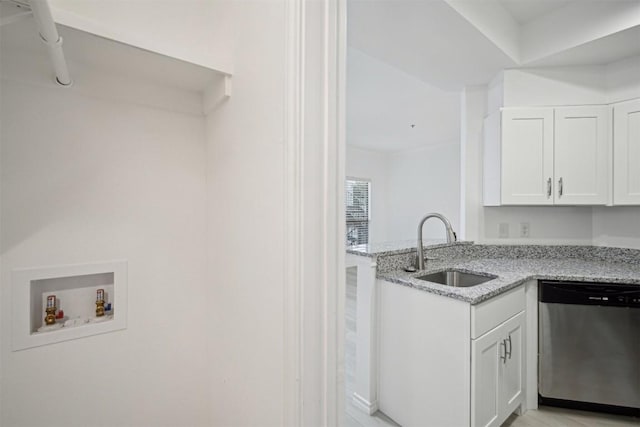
512,272
397,247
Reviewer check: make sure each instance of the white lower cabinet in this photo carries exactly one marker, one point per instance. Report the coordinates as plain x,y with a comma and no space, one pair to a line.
444,362
497,373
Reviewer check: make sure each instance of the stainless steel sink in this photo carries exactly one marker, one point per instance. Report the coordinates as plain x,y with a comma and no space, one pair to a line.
456,278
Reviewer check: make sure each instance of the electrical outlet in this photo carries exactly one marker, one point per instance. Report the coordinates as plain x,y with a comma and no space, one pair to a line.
503,230
525,229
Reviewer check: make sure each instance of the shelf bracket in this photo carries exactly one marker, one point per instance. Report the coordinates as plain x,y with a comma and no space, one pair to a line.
216,93
228,85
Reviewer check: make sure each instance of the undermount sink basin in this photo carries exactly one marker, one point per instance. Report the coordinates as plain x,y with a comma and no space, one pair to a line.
456,278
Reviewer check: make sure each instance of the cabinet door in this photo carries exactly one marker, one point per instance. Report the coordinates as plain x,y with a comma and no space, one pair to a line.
626,153
527,156
582,147
487,355
511,392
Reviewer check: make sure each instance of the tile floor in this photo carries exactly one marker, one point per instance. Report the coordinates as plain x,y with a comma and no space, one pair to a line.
558,417
545,417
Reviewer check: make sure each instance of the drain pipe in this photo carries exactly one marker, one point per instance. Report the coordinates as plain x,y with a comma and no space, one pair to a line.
50,37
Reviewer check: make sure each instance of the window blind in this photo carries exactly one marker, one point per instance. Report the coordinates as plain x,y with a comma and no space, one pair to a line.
357,211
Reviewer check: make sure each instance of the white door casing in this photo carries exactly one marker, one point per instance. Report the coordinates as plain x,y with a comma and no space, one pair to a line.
314,288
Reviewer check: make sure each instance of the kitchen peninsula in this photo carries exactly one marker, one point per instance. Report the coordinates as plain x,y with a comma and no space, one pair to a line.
400,311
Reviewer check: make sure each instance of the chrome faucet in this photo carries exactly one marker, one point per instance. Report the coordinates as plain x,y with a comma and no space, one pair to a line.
451,236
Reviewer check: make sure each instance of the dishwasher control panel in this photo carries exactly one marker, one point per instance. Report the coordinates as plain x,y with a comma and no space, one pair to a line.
615,295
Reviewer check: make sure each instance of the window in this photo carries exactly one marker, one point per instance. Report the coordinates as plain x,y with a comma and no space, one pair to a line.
357,211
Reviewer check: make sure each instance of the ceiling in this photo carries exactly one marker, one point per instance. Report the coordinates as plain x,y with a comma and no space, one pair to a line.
427,39
605,50
524,11
389,110
408,60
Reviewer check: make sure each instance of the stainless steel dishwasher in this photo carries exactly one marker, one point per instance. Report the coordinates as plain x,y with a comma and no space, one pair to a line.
589,346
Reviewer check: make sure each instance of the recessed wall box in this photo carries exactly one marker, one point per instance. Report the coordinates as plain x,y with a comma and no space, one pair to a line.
74,287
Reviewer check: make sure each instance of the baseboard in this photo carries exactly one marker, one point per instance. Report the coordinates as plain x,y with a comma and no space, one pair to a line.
364,405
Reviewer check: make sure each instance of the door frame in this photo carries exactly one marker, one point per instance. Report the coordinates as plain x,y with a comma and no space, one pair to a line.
314,222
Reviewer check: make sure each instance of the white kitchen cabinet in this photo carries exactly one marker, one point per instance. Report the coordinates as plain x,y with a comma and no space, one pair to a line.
486,377
527,156
439,358
512,392
626,153
547,156
497,373
581,155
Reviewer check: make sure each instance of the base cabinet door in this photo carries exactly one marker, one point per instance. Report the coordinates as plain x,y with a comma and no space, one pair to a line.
512,367
486,353
497,373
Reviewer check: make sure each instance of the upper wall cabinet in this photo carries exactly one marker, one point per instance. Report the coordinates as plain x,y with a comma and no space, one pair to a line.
626,153
582,155
547,156
527,156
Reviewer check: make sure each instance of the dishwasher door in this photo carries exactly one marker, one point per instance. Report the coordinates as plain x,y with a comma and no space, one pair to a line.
590,353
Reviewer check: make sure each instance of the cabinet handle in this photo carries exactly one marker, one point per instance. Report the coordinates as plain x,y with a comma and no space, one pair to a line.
510,348
504,357
560,189
548,188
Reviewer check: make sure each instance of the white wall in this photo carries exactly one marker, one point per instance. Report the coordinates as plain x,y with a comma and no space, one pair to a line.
88,179
576,24
423,181
580,85
403,162
373,166
245,213
406,185
617,226
547,225
622,81
555,86
472,112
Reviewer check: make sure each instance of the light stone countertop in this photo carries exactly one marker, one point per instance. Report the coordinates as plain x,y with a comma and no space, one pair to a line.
398,247
512,272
